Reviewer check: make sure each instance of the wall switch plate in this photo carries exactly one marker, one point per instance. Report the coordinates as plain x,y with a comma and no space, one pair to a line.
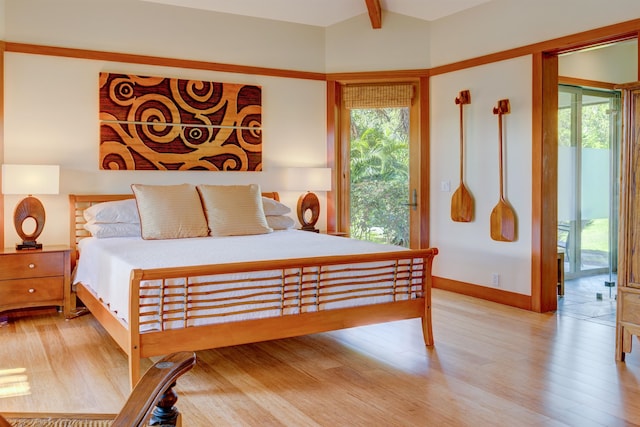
445,186
495,279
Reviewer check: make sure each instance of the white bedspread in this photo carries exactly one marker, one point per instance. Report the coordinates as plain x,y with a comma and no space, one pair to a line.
105,264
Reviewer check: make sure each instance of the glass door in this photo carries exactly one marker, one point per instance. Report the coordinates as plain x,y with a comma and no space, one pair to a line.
588,141
380,163
380,196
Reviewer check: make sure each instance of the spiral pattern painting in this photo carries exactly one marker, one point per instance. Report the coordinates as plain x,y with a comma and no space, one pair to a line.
156,123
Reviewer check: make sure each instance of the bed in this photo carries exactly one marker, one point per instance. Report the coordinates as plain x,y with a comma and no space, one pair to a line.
198,304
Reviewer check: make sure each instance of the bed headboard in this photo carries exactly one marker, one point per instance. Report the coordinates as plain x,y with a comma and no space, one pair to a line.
79,202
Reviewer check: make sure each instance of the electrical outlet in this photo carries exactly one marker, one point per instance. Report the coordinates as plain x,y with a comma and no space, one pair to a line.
495,279
445,186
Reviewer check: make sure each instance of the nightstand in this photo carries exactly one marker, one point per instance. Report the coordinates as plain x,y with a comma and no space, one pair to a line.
35,278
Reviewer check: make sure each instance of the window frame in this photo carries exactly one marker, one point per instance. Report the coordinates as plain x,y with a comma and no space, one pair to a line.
338,156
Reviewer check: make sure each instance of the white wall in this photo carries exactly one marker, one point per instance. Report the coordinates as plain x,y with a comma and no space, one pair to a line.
2,24
616,63
51,103
153,29
467,252
505,24
401,43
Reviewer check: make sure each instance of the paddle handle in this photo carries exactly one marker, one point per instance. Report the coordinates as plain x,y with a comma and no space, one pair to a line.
502,108
464,97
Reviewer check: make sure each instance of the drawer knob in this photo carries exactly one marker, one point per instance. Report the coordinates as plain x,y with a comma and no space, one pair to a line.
31,290
32,265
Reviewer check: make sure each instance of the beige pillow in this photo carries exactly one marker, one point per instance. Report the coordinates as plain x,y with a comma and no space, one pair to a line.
170,211
234,210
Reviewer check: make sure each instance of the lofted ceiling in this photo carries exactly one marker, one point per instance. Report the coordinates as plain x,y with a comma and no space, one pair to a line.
324,13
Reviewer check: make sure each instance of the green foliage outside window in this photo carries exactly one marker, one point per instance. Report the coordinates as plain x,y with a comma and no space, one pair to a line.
595,126
380,175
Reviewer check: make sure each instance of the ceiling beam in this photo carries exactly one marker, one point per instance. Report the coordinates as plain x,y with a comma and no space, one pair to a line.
375,13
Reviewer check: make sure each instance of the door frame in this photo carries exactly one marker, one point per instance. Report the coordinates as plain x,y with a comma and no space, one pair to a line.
337,122
544,275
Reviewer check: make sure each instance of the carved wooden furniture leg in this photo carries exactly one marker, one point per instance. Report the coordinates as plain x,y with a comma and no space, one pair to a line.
158,381
165,413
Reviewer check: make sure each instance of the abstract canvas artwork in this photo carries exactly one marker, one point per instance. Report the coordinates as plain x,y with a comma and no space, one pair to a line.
157,123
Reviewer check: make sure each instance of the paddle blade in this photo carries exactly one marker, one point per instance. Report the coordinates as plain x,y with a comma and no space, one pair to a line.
462,205
503,222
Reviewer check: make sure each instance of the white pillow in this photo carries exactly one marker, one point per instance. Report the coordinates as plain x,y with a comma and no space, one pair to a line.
124,211
234,210
273,207
280,222
116,229
170,211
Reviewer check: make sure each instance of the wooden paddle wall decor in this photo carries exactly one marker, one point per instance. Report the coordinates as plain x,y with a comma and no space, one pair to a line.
462,201
157,123
503,217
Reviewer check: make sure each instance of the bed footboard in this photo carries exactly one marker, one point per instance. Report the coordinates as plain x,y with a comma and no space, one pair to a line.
201,307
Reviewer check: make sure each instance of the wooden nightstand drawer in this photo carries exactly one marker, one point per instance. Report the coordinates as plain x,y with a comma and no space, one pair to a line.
30,265
31,292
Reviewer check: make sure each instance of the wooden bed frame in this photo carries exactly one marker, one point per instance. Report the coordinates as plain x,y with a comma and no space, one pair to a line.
415,264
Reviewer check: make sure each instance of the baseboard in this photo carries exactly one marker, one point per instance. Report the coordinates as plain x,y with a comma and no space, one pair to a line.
482,292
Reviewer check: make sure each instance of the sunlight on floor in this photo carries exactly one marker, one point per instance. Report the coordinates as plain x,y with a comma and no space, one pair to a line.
589,299
14,382
397,340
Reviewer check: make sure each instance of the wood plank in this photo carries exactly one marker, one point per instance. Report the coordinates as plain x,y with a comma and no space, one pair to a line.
225,334
117,329
490,294
202,270
375,13
333,161
97,55
544,183
566,80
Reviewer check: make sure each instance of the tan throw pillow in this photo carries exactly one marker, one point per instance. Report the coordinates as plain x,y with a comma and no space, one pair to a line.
170,211
234,210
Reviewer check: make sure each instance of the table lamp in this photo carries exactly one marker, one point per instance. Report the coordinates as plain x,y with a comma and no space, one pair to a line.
308,179
28,180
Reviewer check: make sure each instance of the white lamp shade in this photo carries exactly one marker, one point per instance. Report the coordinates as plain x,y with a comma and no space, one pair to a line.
307,179
30,179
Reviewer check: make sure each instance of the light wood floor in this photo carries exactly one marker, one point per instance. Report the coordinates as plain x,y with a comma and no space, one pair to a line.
491,366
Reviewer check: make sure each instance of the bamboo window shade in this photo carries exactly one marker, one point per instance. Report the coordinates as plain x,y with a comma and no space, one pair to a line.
377,96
